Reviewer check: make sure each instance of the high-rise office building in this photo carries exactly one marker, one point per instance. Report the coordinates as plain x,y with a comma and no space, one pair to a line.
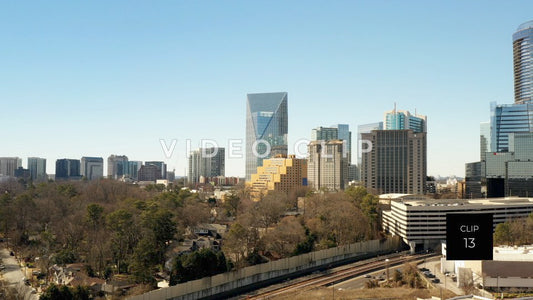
92,167
161,166
25,174
365,128
396,161
149,172
8,165
206,162
266,128
37,167
344,133
484,139
335,132
511,173
133,169
67,169
279,174
327,166
324,134
117,166
401,119
523,63
506,119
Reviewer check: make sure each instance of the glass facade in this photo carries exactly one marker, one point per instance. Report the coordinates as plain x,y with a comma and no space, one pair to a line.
523,62
37,167
365,128
400,120
67,169
345,134
266,120
506,119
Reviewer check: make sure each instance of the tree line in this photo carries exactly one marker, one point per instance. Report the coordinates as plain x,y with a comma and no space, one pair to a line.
117,228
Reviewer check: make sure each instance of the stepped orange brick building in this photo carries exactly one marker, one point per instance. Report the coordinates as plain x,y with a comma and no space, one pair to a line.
279,174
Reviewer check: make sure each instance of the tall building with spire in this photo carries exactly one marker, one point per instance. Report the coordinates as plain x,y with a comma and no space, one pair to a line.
266,128
402,119
394,160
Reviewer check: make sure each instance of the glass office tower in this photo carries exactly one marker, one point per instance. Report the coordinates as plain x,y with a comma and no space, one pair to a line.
523,62
506,119
400,120
266,128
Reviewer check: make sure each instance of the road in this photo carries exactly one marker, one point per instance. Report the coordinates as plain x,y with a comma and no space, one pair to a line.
12,276
432,264
445,282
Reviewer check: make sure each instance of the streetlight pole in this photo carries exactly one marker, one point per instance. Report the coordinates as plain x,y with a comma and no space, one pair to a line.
387,263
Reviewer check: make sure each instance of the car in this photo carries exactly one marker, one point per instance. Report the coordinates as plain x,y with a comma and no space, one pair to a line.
431,276
436,280
368,276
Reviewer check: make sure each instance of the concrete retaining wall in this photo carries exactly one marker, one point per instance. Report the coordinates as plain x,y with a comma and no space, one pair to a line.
225,283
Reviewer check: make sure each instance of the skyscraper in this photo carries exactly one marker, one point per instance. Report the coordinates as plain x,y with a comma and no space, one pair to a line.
149,172
206,162
365,128
401,119
335,132
37,167
324,133
396,161
117,166
484,139
92,167
266,128
8,165
67,169
344,133
133,169
506,119
523,63
327,165
161,166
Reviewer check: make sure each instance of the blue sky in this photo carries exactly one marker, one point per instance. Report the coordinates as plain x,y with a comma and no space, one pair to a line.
94,78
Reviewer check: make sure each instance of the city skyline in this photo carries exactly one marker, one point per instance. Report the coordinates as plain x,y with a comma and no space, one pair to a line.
80,80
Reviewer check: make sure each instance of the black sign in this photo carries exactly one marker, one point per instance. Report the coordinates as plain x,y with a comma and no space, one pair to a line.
469,236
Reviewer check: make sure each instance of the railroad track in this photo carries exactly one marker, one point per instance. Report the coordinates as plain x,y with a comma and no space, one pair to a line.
339,276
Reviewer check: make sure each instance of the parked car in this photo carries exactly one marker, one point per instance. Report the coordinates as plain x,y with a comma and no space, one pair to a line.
368,276
436,280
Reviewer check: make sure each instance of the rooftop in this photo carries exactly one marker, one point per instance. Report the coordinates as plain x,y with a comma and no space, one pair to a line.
459,202
526,25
